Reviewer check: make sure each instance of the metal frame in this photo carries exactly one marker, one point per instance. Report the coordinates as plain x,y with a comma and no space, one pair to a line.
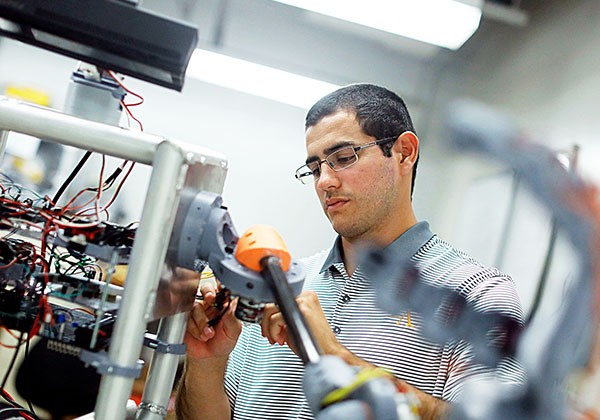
175,166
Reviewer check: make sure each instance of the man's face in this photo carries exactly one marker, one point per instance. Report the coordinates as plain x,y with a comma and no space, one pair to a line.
362,200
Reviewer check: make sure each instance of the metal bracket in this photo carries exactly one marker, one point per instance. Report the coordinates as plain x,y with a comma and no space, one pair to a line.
151,341
103,365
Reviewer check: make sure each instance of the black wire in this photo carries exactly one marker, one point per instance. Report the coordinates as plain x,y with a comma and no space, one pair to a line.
12,362
52,251
539,293
71,176
110,180
6,397
20,411
9,409
222,302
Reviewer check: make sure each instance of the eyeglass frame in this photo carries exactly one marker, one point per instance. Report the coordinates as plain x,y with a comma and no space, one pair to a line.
355,149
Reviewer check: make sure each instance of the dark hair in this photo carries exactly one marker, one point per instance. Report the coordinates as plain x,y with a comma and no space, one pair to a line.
379,112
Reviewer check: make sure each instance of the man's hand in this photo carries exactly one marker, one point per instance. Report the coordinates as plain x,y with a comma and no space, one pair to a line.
274,328
204,341
202,388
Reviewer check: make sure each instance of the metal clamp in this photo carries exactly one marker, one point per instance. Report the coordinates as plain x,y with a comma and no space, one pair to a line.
153,408
151,341
103,365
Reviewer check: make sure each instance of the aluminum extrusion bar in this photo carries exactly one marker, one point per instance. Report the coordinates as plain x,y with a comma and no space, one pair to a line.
146,263
54,126
57,127
157,391
3,138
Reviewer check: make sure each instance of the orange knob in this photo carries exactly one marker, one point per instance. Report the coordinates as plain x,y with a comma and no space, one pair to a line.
258,242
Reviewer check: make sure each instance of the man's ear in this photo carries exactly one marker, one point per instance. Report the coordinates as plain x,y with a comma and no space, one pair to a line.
407,148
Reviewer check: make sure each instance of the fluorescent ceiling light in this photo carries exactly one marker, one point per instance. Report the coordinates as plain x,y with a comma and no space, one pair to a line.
256,79
447,23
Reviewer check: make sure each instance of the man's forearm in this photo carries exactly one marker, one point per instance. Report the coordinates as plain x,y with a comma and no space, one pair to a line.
431,408
201,392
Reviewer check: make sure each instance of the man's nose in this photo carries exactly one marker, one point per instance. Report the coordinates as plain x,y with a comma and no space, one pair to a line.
328,178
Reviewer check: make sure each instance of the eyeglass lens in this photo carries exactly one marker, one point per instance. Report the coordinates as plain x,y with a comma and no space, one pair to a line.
340,159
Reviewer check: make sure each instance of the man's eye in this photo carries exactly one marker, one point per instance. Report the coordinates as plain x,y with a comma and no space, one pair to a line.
344,159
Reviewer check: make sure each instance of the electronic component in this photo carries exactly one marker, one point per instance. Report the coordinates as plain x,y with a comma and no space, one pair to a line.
20,302
100,241
19,291
78,29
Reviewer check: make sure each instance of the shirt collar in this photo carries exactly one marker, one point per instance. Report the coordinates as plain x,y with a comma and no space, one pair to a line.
406,244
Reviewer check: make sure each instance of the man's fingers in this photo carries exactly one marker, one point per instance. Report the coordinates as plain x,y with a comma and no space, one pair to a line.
276,329
208,290
268,311
198,324
231,325
271,318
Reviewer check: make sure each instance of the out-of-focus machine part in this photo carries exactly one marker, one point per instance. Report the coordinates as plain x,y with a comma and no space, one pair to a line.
335,390
107,33
570,348
564,194
446,315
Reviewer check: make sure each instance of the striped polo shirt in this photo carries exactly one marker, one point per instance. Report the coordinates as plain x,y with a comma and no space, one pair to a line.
264,381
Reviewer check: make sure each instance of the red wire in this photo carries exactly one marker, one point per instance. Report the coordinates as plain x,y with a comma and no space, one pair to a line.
140,97
10,264
8,346
119,188
87,311
10,332
126,107
113,198
98,195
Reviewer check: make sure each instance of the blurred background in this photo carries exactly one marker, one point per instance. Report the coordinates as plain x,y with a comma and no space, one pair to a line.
536,60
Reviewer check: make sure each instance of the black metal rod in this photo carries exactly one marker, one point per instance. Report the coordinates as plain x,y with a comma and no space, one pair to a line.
307,347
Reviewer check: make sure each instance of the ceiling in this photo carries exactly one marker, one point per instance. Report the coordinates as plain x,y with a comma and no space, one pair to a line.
324,48
290,38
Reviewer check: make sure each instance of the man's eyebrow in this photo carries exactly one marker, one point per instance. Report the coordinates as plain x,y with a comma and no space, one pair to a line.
330,150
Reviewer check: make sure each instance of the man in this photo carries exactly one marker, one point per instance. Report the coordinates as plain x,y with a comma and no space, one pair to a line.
362,157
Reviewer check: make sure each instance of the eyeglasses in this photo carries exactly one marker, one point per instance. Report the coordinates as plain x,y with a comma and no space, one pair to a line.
340,159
